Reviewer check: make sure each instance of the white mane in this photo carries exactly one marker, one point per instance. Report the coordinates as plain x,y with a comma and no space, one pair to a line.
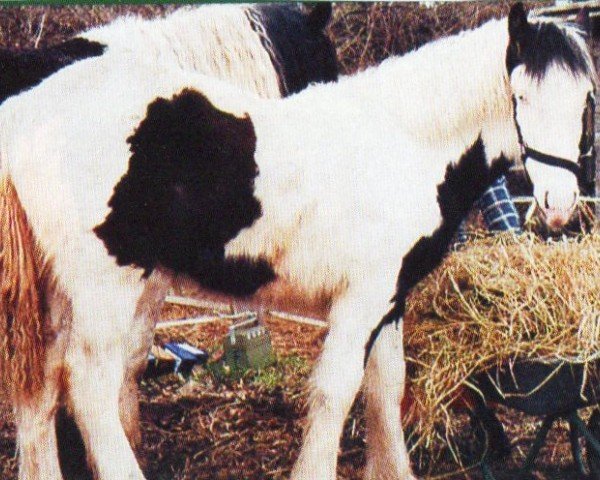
439,96
444,94
580,37
189,38
447,89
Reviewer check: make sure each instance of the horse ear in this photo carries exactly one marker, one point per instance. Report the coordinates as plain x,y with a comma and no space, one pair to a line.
518,26
583,20
319,16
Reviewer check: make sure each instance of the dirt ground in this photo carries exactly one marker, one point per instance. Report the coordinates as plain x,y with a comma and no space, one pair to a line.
219,428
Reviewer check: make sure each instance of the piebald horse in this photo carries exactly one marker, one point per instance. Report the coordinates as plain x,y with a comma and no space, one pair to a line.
335,189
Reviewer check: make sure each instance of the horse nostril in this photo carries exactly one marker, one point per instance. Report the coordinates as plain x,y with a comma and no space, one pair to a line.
546,204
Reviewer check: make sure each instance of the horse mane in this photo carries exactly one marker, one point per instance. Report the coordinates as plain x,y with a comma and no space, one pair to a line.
443,92
578,38
23,277
188,39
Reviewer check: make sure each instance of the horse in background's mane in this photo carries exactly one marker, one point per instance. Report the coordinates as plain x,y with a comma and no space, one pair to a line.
273,49
175,172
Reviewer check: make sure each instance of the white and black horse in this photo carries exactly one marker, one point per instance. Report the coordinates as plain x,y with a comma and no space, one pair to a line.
274,49
335,188
268,50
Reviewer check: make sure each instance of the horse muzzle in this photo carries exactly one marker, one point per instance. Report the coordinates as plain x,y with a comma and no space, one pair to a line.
557,211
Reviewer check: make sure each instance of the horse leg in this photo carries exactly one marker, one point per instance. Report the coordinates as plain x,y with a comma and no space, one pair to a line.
72,453
139,342
335,381
103,314
73,458
36,437
387,458
129,407
35,418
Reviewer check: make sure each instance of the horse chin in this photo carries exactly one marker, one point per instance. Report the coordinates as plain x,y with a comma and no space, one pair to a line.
556,220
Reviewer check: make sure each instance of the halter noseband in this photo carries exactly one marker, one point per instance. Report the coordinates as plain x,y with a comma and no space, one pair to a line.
551,160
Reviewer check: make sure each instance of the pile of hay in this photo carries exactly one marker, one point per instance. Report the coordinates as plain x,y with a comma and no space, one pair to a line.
496,300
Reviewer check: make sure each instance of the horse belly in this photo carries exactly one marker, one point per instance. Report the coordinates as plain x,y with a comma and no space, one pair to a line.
330,218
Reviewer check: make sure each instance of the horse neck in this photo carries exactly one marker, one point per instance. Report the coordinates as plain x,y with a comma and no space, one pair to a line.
451,91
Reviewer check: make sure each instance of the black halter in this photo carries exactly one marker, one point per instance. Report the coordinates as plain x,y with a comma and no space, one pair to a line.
582,169
551,160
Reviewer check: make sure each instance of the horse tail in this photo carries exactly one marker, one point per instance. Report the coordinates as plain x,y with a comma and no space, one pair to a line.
22,326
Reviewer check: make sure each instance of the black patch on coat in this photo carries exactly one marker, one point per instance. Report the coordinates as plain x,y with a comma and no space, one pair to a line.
463,184
519,183
304,51
188,191
539,45
23,69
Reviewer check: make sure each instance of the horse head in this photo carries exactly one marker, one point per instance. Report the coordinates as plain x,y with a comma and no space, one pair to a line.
552,82
298,44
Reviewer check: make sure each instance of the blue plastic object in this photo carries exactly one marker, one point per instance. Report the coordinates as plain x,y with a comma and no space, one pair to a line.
186,356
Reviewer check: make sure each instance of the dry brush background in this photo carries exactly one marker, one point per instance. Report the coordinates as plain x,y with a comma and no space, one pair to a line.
364,33
215,428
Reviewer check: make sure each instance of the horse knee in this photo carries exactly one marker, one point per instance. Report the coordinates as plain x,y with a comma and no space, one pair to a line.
335,381
96,411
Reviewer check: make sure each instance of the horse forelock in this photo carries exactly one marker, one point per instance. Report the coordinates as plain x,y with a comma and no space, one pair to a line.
549,43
